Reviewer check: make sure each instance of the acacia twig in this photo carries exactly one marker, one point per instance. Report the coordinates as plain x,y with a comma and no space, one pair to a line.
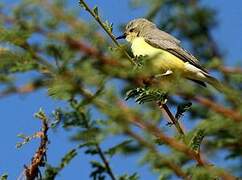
164,108
105,161
97,146
97,18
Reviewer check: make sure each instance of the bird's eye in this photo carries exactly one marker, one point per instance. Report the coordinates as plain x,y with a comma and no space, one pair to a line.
131,30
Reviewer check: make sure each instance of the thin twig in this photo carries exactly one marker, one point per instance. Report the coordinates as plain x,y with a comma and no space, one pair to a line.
97,18
98,148
164,108
105,161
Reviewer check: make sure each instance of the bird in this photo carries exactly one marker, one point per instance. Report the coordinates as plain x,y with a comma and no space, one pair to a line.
169,57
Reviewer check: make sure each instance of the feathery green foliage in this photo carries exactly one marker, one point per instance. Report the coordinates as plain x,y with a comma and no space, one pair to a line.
77,64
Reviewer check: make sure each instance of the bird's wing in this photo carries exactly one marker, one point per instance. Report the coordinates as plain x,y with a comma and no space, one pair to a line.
165,41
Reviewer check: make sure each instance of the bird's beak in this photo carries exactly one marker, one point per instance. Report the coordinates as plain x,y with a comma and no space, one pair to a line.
121,37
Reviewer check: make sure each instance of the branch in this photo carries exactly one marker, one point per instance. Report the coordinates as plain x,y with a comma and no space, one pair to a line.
105,161
27,88
182,148
32,171
232,114
172,142
230,70
97,18
92,52
178,171
98,148
153,130
164,108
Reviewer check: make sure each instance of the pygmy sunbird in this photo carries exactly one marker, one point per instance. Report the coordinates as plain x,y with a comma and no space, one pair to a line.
169,57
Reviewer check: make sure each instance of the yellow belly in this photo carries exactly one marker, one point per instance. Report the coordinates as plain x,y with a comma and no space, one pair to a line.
162,59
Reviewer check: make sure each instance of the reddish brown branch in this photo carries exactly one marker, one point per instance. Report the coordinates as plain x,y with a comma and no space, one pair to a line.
170,141
232,114
92,52
135,119
173,143
230,70
27,88
178,171
32,171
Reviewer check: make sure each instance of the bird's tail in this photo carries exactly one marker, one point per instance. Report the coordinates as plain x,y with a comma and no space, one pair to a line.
215,83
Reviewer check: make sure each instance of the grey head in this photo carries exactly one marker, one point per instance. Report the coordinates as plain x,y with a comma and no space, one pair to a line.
137,27
143,28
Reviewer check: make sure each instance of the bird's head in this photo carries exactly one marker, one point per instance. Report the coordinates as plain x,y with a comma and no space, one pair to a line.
136,28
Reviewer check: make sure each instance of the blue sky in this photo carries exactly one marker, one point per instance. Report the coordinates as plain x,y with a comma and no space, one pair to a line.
17,111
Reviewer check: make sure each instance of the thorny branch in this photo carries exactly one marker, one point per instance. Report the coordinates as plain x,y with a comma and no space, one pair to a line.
155,131
32,171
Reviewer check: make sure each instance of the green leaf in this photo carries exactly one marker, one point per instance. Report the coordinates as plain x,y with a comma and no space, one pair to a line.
87,135
201,173
14,36
196,140
133,176
61,89
67,158
41,115
51,172
181,108
95,10
98,170
109,26
117,148
12,62
4,176
91,151
25,138
143,95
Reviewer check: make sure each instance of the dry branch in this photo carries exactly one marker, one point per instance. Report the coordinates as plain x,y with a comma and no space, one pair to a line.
32,171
